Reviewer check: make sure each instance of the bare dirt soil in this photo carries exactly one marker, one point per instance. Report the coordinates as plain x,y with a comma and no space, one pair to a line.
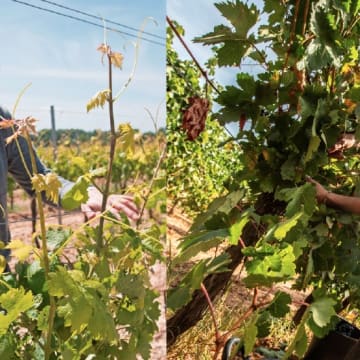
21,229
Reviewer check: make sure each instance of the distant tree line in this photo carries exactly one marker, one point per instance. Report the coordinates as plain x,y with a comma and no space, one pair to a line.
44,136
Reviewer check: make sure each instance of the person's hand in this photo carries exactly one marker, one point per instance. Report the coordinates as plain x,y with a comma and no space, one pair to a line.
345,142
115,204
321,192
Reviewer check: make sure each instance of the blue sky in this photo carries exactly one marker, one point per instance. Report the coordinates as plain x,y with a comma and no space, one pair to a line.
58,56
198,18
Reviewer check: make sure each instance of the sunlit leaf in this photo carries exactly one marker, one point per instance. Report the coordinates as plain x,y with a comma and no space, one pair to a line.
287,225
116,59
19,249
77,195
99,99
48,183
15,302
237,228
323,310
127,138
313,147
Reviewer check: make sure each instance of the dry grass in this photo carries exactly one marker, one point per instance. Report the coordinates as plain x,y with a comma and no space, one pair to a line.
199,342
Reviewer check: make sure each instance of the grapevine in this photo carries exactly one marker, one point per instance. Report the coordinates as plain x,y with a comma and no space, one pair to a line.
291,113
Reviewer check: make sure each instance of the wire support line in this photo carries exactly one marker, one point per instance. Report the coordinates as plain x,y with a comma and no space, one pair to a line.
183,43
100,18
30,219
86,21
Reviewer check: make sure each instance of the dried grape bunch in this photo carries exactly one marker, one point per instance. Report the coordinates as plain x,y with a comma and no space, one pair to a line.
193,121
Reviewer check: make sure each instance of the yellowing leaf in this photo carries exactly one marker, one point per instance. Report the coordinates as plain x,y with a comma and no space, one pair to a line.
98,100
127,138
347,68
19,249
14,302
287,225
116,59
53,186
2,263
80,162
103,48
351,105
48,183
266,155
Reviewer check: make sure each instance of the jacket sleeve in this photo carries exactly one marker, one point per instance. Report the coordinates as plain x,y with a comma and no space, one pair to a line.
19,163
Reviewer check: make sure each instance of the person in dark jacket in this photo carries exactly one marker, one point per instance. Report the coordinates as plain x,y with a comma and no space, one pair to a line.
12,157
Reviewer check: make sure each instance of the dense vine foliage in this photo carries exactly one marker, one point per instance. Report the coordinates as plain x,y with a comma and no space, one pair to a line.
196,170
295,109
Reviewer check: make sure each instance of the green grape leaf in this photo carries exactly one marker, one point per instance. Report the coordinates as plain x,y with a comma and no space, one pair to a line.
236,44
322,24
220,34
81,306
131,285
178,298
309,269
15,302
181,295
275,9
299,245
247,84
221,205
263,324
237,228
56,237
279,306
262,250
199,241
143,345
288,169
301,342
231,53
284,227
250,334
354,93
312,148
318,55
297,197
322,311
101,325
43,319
320,332
218,264
240,15
265,270
77,195
7,347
